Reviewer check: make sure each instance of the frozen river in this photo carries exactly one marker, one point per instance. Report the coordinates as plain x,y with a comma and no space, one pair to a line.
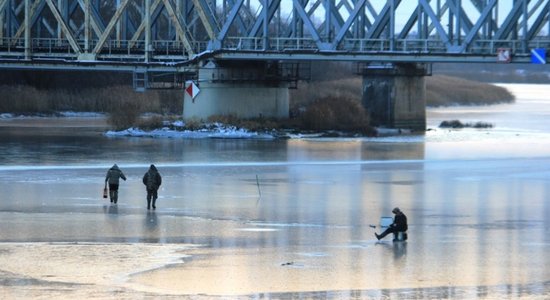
281,218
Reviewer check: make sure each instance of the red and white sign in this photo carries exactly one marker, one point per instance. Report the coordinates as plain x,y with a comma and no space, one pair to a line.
192,89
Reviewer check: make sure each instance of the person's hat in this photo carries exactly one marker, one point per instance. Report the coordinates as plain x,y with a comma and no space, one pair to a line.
396,210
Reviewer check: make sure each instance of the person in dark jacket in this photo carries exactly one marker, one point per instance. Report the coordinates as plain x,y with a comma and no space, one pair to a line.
113,176
399,224
152,181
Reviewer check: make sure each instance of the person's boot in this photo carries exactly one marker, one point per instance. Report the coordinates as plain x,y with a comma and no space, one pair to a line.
154,202
148,204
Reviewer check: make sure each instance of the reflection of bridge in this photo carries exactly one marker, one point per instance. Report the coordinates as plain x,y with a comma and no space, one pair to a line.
274,37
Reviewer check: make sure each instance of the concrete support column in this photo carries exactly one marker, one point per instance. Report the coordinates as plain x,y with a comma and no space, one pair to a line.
396,96
240,91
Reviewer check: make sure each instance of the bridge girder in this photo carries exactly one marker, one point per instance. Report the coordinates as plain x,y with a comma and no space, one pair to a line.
180,32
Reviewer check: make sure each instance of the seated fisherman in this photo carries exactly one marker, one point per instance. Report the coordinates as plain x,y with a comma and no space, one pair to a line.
399,224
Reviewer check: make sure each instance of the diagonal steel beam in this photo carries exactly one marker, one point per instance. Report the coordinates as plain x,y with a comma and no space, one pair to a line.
465,22
353,16
20,7
239,19
374,15
312,9
2,20
336,19
35,9
309,26
409,24
259,21
484,18
3,5
230,18
435,21
49,28
381,21
110,27
179,28
442,10
511,21
539,21
203,10
143,24
371,9
98,29
68,34
344,4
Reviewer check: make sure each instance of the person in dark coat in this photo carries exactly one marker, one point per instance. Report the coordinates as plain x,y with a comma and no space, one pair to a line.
399,224
112,177
152,181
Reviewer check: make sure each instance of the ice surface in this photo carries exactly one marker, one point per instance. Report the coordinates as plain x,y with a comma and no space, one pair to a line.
476,201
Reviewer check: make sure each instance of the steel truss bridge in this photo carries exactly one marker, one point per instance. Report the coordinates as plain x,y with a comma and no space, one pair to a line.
175,35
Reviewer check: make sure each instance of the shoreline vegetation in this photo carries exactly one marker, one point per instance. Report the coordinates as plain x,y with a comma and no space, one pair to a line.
330,106
456,124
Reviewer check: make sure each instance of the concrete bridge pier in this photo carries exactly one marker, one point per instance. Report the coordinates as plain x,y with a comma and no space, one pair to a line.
395,95
239,89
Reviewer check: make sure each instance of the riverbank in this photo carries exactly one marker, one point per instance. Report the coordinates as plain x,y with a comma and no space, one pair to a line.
308,113
98,124
309,107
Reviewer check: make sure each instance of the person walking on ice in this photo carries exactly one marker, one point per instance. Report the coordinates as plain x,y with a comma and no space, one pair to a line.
399,225
152,181
112,177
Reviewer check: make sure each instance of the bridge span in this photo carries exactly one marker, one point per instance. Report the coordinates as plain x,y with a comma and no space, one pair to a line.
261,47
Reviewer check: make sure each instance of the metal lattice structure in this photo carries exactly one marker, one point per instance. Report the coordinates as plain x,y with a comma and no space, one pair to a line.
172,34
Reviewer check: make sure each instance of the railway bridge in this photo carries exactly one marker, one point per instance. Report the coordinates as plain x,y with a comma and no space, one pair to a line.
241,56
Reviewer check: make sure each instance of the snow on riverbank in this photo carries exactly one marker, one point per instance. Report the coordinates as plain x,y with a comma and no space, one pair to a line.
216,131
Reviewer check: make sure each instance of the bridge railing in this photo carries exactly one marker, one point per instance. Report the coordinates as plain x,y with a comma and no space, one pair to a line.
397,45
430,45
11,46
274,44
54,47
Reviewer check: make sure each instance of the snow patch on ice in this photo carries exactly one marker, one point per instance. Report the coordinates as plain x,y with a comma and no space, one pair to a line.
216,131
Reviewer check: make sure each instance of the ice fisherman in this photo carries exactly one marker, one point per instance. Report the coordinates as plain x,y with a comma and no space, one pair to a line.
152,181
399,224
112,177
